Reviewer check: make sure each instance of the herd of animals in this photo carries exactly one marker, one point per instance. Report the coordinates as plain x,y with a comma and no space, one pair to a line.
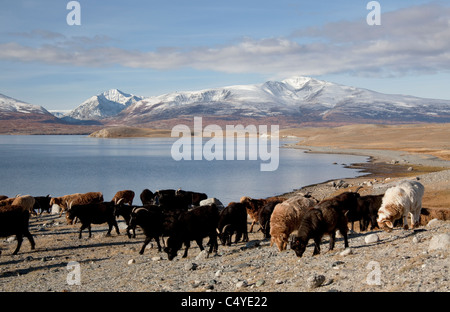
184,216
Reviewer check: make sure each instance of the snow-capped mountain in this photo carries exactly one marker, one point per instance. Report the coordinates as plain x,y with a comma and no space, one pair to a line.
10,105
104,105
302,99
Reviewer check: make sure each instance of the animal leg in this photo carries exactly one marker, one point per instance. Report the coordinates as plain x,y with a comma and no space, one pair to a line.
81,230
188,244
316,246
19,243
251,226
157,242
332,240
405,223
146,241
30,239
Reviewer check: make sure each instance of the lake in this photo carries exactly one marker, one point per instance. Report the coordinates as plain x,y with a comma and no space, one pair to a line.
65,164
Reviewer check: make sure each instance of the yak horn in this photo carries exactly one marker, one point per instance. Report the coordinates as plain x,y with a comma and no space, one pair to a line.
359,187
118,202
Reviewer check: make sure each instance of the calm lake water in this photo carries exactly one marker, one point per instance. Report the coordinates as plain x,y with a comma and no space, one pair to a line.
60,165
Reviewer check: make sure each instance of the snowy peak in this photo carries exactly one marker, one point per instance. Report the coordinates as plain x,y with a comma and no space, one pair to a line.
301,99
104,105
10,105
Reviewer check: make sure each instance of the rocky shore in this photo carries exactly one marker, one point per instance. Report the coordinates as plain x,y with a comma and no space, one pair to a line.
400,261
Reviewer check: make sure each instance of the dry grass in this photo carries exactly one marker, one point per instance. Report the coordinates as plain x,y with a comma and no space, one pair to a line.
430,139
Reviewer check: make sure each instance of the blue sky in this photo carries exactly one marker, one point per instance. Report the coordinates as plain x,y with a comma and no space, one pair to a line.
154,47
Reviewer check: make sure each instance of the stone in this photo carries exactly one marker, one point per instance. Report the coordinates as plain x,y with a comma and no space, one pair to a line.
260,283
371,238
347,251
315,281
440,241
241,284
218,273
157,258
433,222
131,261
190,266
202,255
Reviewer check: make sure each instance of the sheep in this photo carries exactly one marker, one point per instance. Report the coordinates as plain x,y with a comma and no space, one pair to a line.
26,202
398,201
326,217
126,196
14,220
254,206
286,218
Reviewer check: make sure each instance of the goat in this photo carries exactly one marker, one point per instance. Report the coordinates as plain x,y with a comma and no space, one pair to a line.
194,224
125,196
368,207
150,220
194,198
14,220
26,202
96,213
42,203
254,206
232,219
264,217
399,201
125,211
147,197
286,218
325,218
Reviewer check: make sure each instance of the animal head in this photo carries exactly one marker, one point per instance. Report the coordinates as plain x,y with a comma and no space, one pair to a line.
387,215
280,240
299,246
173,245
225,235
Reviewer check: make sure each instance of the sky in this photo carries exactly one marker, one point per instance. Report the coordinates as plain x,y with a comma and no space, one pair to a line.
149,48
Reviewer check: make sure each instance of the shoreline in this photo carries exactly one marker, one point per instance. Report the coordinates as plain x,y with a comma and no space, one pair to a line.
383,169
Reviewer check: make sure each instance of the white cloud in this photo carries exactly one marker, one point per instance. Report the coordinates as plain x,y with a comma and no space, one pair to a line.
415,39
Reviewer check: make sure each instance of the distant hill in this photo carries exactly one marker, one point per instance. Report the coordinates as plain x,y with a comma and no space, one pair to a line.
295,100
104,105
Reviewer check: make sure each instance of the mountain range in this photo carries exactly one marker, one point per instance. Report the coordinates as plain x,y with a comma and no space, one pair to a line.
291,102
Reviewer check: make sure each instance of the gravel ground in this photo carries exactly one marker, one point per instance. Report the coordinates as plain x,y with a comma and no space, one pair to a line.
398,261
377,261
